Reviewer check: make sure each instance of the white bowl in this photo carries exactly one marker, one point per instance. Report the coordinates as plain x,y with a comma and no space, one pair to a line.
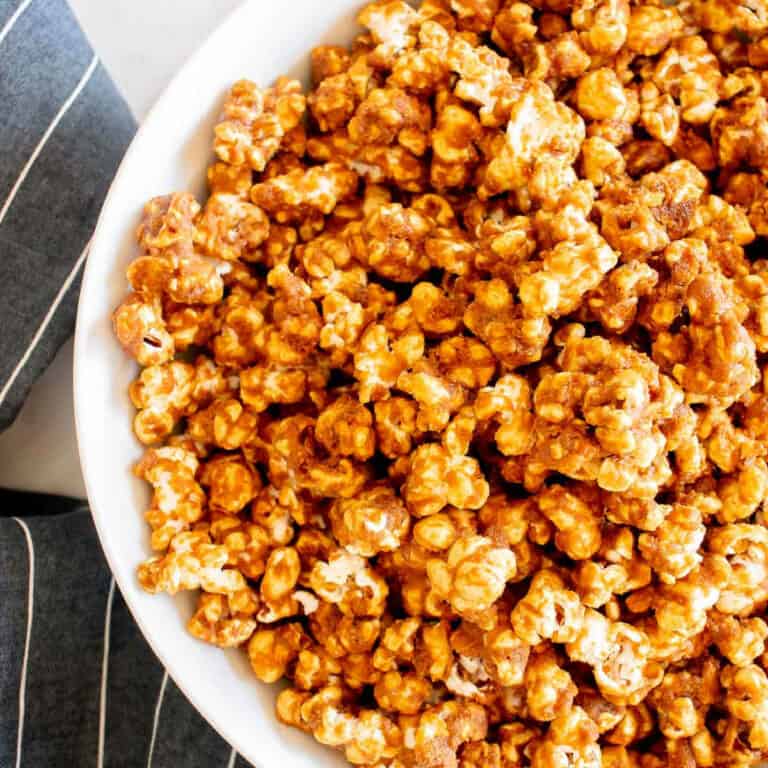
260,40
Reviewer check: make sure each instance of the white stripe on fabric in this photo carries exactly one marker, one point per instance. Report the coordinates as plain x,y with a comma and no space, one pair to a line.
44,324
47,135
105,675
14,18
157,719
232,758
25,660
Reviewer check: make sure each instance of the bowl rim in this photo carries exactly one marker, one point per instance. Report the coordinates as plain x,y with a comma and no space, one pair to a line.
97,243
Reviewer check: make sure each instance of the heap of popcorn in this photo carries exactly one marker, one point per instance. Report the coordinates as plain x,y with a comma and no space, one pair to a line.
452,390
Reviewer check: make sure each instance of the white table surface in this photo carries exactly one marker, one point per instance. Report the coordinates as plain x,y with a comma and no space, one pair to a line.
142,43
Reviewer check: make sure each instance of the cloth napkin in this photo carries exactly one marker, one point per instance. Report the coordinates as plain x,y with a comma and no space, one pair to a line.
79,686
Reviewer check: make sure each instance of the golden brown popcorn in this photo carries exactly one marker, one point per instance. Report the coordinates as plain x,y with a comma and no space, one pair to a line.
345,428
514,337
301,193
739,133
248,544
741,641
601,161
348,581
746,548
334,99
473,575
387,115
746,699
631,393
484,77
437,396
570,741
627,673
225,422
742,493
395,425
549,689
718,365
466,361
190,326
672,549
600,95
177,499
393,240
162,394
376,520
454,149
140,328
222,621
549,286
255,122
548,611
405,693
651,28
437,477
615,301
574,511
240,339
567,272
230,228
690,73
192,562
683,699
230,481
542,140
382,356
389,23
271,650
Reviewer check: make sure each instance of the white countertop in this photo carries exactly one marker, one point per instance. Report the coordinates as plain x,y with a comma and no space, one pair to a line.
142,43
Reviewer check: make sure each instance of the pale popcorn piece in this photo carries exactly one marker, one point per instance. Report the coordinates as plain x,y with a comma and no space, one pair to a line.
191,562
627,673
178,500
390,23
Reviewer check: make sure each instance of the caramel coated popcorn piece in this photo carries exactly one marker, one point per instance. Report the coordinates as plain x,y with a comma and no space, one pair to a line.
473,575
375,521
294,195
255,122
191,562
